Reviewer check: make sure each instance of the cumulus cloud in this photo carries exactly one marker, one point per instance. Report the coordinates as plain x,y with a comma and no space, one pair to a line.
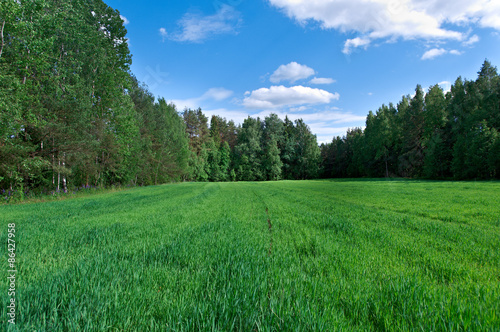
197,28
278,96
394,19
291,72
322,80
435,52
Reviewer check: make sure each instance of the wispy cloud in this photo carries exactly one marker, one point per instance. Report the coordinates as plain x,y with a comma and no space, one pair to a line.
213,94
163,33
197,28
471,41
217,94
322,80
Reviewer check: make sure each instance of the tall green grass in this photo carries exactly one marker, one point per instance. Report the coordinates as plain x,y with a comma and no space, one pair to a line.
309,255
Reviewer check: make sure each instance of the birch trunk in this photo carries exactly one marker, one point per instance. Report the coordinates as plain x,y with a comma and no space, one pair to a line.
65,186
1,35
59,176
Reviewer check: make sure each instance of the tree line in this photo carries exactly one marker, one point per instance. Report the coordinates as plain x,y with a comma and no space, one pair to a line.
73,115
435,135
256,150
71,112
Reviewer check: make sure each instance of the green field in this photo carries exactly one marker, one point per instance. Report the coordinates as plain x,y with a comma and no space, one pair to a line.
310,255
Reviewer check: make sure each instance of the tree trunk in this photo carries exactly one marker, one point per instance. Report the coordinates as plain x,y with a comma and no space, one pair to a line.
65,186
53,164
1,35
59,176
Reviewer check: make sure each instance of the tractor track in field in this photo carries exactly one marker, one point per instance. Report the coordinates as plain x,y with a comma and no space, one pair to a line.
270,227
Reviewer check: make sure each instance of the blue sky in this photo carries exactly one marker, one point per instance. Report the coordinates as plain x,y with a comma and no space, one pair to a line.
328,62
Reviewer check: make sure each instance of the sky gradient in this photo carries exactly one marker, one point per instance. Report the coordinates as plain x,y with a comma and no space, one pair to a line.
328,62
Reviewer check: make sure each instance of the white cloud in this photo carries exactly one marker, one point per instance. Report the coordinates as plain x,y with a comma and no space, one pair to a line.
196,28
277,96
354,43
335,117
291,72
124,19
326,132
322,80
217,94
163,33
299,109
394,19
435,52
445,85
471,41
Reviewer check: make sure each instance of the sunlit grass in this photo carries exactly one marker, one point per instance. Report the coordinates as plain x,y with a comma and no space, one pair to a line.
310,255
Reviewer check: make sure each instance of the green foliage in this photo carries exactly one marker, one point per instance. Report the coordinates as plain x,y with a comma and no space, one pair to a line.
249,151
272,161
428,135
225,161
71,115
289,255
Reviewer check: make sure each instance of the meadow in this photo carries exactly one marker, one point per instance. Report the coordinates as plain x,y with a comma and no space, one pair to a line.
341,255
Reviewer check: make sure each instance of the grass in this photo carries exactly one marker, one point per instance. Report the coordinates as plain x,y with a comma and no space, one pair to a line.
311,255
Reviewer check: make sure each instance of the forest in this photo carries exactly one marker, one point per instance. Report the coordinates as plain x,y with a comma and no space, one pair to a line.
73,115
433,135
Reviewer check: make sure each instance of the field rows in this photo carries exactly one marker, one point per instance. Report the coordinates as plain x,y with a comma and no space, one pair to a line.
310,255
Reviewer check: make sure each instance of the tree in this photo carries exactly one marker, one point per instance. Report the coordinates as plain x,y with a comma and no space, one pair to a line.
198,134
436,138
479,156
287,149
249,152
379,140
272,160
214,161
307,152
412,155
225,162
